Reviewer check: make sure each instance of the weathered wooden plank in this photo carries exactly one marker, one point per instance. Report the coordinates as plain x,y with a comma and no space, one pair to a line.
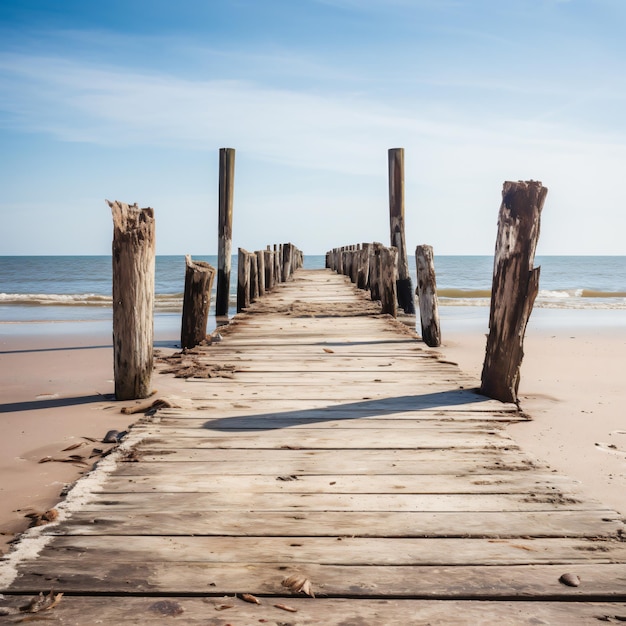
331,551
327,462
306,437
555,523
537,581
387,418
510,482
233,501
219,611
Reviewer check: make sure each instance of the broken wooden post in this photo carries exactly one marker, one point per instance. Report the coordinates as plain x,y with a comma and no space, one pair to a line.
515,287
243,280
406,300
427,296
388,259
133,299
225,230
199,278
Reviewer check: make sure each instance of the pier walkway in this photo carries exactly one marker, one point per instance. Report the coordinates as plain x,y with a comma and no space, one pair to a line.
331,454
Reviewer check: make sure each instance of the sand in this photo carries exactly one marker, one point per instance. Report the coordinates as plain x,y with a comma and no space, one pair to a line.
571,386
56,389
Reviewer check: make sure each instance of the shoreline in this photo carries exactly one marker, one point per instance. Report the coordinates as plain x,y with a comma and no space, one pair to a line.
57,391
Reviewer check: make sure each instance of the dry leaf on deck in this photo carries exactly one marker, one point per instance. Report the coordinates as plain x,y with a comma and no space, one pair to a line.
284,607
329,351
223,607
298,584
42,603
248,597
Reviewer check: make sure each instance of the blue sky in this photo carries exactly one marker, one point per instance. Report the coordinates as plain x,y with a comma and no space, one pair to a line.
132,99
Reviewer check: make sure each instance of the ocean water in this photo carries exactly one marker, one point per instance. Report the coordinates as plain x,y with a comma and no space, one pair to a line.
78,288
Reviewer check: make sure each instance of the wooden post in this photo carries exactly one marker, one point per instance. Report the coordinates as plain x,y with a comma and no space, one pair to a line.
133,299
388,259
278,259
225,230
363,266
286,270
374,271
260,265
269,269
427,296
243,280
406,301
254,276
199,278
515,287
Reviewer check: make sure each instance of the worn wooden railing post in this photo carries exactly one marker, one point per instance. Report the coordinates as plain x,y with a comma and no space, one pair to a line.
515,287
199,278
406,300
388,259
225,230
133,299
243,280
427,296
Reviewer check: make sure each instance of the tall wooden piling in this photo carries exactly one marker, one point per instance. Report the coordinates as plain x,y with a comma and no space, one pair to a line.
133,299
427,296
225,229
406,300
515,287
199,278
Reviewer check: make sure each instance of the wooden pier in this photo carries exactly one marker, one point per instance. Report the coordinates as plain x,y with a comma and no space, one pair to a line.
326,452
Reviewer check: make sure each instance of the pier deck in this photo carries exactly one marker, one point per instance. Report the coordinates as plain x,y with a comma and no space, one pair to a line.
332,450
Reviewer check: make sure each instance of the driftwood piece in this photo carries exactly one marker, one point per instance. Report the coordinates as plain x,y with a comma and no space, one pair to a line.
199,278
388,259
406,300
515,287
225,230
243,280
427,296
133,299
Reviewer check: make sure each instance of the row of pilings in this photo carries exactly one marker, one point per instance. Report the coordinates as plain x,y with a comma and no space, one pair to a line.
514,289
370,266
259,272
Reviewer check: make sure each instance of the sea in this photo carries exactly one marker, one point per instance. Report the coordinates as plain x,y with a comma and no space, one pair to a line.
39,292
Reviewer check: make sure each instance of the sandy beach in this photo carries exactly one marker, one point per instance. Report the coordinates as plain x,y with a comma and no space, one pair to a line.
57,387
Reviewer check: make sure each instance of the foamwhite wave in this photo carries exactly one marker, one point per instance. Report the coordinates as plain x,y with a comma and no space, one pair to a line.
163,302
